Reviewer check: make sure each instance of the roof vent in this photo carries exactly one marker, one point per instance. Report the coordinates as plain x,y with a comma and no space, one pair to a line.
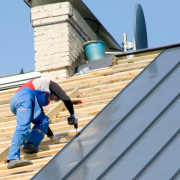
22,72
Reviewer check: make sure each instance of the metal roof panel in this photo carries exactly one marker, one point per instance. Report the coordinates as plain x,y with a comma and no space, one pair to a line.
113,134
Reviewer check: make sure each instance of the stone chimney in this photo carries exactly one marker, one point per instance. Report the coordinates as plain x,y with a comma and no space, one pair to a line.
58,39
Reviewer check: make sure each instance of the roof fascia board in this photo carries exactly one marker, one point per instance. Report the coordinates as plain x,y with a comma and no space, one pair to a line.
13,85
27,2
19,77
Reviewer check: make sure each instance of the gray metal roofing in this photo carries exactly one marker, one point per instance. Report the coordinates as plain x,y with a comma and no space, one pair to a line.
136,136
89,18
17,80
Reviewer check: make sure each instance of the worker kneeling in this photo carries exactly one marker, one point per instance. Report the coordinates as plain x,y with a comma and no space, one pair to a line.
25,104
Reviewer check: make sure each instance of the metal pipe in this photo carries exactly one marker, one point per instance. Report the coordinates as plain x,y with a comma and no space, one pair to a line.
76,30
72,1
125,41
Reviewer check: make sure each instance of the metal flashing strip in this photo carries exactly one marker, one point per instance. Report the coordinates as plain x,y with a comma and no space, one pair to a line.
17,80
19,77
28,2
138,138
158,153
148,49
119,123
76,30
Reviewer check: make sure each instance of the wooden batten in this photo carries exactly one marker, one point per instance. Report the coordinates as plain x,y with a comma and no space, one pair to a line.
95,89
54,111
142,54
4,153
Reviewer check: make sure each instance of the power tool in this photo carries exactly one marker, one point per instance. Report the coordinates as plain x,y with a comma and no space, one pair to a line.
72,121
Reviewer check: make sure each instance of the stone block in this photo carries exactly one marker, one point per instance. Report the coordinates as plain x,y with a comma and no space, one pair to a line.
46,27
38,33
38,48
54,19
57,60
57,55
61,26
37,9
65,58
64,17
48,66
41,38
51,7
37,43
65,5
53,51
62,75
56,75
59,12
47,20
35,22
66,63
65,54
64,49
56,65
40,15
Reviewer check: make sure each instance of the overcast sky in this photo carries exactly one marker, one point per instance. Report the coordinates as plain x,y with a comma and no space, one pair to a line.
17,38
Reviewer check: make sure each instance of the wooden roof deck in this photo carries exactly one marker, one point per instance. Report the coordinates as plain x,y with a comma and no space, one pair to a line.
96,90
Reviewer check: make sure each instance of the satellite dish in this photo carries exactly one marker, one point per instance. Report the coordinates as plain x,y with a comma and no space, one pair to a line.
140,32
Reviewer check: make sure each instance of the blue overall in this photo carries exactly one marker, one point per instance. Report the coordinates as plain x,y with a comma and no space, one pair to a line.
25,104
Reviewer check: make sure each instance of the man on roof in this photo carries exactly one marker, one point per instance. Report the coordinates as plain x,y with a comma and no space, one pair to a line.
27,104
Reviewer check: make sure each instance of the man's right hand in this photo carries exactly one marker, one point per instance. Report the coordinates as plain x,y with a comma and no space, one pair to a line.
73,119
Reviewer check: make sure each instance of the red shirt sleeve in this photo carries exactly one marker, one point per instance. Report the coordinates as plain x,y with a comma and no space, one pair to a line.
29,85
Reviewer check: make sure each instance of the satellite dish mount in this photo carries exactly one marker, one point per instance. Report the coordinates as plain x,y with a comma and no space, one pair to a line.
140,33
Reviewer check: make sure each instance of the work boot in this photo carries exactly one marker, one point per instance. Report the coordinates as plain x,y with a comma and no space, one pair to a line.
29,148
18,163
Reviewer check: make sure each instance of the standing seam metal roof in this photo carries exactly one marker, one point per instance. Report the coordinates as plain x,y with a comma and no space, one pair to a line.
136,136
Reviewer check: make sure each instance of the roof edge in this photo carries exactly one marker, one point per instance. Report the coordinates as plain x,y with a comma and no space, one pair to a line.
149,49
27,2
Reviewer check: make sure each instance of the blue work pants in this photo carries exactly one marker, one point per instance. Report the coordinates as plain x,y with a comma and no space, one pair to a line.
22,105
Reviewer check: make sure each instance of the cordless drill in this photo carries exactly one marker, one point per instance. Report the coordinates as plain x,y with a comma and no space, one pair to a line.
73,120
76,126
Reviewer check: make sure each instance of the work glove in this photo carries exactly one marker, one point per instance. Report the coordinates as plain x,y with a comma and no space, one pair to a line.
73,119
